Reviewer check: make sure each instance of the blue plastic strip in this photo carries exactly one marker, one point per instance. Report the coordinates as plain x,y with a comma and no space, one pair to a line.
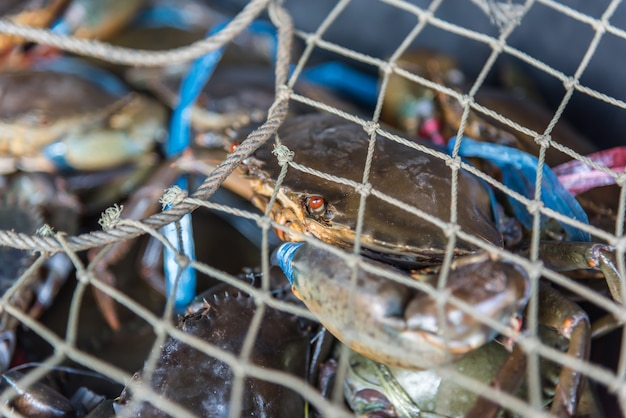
519,170
178,141
265,28
345,80
185,291
191,86
55,153
61,27
284,257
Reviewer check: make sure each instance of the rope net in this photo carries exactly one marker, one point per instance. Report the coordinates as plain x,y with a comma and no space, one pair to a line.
150,324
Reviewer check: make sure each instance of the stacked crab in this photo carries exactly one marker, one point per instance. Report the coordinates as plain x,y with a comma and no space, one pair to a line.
438,255
423,275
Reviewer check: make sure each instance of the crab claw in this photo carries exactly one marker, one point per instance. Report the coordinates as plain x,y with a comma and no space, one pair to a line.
400,324
571,322
7,348
571,255
59,268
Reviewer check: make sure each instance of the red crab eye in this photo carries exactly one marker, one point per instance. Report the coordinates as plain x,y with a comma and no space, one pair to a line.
316,205
233,146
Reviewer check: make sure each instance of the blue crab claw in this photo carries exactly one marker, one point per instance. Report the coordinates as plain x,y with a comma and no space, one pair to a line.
400,324
284,257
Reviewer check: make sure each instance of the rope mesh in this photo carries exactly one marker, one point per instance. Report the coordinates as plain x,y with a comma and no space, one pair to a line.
507,16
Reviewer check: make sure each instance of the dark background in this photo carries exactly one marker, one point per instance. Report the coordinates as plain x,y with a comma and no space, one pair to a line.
377,28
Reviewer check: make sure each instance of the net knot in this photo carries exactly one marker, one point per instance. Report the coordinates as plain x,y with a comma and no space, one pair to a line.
182,260
569,83
534,206
465,101
284,154
352,260
264,222
598,26
82,276
454,163
543,141
364,189
172,196
451,229
388,67
535,269
502,13
110,216
620,245
370,127
45,231
283,92
529,344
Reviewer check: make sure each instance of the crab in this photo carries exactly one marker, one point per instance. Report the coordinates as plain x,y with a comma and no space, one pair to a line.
203,384
374,389
28,199
394,323
60,126
61,392
434,114
52,121
402,328
414,174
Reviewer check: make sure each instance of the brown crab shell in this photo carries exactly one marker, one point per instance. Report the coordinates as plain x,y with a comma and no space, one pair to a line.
203,384
421,180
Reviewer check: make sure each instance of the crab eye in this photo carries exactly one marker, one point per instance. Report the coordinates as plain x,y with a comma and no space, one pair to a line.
316,205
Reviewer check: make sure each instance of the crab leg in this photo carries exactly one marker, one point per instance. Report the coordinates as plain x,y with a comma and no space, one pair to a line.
558,312
143,203
59,268
36,399
567,256
568,320
508,379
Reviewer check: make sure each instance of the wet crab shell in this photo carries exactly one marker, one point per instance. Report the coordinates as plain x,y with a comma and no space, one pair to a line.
51,120
339,147
25,95
203,384
61,392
